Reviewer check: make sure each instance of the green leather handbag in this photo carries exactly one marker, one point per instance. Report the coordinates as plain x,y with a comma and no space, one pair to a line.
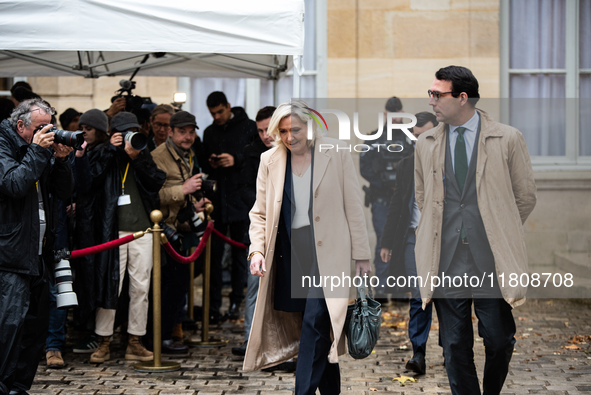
362,325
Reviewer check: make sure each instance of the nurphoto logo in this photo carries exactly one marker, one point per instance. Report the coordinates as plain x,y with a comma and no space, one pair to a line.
344,129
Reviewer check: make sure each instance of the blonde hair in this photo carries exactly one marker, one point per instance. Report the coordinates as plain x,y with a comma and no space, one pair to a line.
294,108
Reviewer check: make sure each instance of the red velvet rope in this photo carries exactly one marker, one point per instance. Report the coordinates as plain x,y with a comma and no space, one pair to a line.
228,240
101,247
188,259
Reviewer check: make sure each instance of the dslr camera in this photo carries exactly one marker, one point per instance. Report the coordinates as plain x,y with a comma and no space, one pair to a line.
196,221
133,103
71,139
208,187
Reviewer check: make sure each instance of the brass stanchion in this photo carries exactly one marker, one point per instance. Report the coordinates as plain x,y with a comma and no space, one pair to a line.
157,365
205,340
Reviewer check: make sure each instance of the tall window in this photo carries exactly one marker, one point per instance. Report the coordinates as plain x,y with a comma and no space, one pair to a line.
546,69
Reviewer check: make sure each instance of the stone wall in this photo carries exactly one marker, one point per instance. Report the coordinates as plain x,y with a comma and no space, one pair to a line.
383,48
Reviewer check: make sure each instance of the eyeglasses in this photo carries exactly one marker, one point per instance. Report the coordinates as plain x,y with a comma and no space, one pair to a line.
50,110
158,125
436,95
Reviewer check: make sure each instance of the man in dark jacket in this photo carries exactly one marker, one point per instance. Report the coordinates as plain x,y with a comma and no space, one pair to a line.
398,245
29,172
131,182
250,169
223,144
378,166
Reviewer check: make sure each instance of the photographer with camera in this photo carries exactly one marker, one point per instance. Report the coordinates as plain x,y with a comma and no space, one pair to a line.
95,125
130,182
378,166
32,167
180,200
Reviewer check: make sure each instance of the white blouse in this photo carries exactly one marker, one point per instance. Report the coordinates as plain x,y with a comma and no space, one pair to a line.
301,195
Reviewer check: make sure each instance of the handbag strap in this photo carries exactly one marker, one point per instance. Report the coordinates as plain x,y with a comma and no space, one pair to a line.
363,293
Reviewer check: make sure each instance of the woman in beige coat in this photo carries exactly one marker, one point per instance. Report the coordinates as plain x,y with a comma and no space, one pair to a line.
307,221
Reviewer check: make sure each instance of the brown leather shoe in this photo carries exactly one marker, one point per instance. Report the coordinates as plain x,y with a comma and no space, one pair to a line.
136,351
102,353
54,359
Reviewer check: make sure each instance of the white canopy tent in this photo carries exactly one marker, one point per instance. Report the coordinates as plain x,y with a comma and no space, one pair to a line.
93,38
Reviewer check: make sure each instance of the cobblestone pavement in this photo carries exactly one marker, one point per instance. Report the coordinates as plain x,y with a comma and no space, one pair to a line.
552,356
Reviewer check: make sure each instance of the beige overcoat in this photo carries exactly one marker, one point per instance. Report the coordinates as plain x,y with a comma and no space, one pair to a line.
506,194
340,236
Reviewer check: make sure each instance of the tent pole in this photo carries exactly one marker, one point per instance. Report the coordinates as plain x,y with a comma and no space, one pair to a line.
297,83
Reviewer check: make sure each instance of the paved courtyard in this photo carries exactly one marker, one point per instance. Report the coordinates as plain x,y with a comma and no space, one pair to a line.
552,356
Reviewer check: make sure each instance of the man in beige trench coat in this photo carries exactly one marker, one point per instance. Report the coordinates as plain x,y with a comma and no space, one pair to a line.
475,188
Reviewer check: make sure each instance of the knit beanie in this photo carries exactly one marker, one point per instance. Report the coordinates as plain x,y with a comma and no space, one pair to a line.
97,119
124,120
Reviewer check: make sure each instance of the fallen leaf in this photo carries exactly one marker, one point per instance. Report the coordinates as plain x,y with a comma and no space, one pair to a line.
403,379
572,347
522,318
373,389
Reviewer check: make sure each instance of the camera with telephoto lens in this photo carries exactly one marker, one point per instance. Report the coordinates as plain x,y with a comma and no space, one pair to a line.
64,280
71,139
137,140
196,221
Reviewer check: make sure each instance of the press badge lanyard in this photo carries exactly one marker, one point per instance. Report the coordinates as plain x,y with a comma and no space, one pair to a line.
124,199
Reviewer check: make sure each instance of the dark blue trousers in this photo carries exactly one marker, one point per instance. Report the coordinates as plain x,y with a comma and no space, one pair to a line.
419,323
239,269
313,370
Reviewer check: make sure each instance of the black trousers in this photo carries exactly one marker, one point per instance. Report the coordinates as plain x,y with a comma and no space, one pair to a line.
313,370
24,319
174,287
239,265
496,326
